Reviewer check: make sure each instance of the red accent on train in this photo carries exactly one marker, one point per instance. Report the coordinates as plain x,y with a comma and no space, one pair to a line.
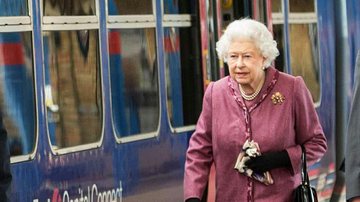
11,54
171,45
114,43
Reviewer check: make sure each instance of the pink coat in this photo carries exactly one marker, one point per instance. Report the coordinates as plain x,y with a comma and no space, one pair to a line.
221,132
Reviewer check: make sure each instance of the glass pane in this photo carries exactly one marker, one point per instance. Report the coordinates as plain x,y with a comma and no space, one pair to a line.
13,7
278,32
134,81
73,92
299,6
68,7
183,76
304,55
276,6
17,91
130,7
178,6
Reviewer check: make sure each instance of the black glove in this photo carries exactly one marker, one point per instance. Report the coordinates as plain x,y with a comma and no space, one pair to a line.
193,200
269,161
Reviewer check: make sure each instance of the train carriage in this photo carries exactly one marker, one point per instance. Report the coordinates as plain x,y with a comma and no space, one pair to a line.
100,98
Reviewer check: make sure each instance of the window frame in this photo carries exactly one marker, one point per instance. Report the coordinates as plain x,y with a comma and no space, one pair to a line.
286,18
18,24
176,21
134,22
73,23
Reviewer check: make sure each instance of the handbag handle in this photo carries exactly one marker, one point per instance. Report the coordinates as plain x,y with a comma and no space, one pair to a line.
304,173
305,177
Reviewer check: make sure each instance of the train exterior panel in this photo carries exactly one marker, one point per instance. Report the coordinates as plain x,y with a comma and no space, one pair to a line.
100,98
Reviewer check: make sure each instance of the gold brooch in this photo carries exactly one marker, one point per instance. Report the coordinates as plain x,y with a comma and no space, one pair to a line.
277,98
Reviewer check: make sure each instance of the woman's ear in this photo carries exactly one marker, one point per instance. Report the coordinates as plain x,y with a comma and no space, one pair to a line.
263,61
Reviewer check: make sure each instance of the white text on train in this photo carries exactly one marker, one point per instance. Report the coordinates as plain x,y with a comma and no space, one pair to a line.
90,195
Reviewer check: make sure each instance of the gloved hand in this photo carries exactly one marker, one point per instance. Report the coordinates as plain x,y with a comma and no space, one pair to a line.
269,161
193,200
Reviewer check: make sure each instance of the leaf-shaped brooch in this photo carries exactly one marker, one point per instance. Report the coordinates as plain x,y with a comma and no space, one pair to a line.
277,98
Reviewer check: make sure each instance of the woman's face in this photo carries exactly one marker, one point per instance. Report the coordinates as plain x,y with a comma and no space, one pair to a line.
245,62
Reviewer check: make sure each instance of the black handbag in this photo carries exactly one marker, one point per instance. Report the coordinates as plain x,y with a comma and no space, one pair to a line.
305,192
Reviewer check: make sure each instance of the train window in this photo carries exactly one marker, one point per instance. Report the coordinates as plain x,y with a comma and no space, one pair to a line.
68,8
182,62
183,78
235,9
278,32
176,7
276,6
303,36
134,81
72,87
130,7
14,8
17,97
302,6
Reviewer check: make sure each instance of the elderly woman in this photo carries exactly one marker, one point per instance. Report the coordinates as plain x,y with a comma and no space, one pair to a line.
256,105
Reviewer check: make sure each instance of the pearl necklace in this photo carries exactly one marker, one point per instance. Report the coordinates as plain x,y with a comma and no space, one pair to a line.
252,96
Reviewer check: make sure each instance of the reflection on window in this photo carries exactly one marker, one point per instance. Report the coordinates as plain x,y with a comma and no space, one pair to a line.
278,32
68,7
72,79
303,36
213,64
301,6
134,81
303,42
276,6
177,6
305,62
183,76
130,7
13,7
17,91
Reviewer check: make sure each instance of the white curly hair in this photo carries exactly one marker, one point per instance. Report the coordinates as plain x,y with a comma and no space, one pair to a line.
253,30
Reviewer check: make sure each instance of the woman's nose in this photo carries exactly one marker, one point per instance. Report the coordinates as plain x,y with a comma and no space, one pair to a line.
239,62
